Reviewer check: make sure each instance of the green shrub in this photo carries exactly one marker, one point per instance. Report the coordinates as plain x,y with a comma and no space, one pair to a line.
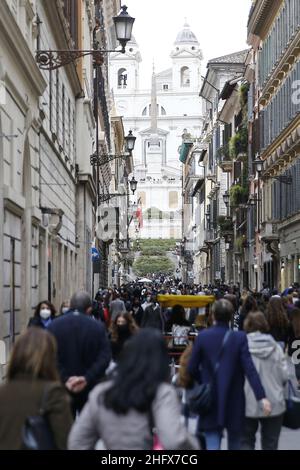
145,265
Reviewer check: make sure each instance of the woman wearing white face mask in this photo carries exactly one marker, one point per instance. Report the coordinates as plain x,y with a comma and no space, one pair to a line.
44,314
65,307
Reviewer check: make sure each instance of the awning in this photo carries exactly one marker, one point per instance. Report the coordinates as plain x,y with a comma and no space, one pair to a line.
184,151
186,301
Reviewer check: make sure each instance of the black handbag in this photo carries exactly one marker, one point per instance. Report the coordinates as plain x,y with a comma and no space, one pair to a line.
200,398
36,431
291,417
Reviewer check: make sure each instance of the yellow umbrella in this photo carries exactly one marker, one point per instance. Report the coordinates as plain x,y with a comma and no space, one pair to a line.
186,301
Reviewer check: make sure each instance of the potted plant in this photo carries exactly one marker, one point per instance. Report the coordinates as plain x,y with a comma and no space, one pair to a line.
238,194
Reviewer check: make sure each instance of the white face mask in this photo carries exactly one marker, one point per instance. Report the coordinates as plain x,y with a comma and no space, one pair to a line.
148,299
45,313
65,309
295,299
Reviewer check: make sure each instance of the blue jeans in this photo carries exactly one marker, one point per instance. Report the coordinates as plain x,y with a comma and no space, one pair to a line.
213,440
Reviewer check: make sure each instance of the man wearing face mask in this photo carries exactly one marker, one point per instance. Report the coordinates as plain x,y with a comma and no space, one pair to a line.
147,302
43,315
152,317
137,311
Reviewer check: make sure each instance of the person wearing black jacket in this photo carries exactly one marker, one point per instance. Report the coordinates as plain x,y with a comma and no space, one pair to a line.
137,311
83,349
43,315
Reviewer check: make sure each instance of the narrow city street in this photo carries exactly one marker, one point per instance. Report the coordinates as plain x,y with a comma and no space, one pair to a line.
149,227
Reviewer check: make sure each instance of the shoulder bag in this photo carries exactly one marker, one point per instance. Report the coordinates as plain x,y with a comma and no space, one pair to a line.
199,397
36,431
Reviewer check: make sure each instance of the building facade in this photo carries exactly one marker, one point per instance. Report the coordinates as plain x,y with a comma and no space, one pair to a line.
49,123
160,117
273,33
208,250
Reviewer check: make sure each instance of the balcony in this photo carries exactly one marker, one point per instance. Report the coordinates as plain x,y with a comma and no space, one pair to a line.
223,159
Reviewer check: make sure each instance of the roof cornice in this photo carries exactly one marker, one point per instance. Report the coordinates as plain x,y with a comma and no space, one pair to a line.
262,16
11,34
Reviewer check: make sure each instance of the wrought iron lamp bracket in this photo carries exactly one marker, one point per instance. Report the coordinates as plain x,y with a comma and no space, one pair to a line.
98,160
108,197
54,59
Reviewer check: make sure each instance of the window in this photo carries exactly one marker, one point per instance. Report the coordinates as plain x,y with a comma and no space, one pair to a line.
122,78
160,110
57,102
165,87
185,77
63,117
173,199
51,99
69,128
71,14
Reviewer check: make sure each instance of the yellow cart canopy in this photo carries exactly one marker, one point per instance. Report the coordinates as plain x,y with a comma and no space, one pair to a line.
186,301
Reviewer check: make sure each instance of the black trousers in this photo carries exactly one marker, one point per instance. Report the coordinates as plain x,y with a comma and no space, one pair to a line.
270,431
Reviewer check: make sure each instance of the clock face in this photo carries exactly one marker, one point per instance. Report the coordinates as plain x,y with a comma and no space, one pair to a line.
122,106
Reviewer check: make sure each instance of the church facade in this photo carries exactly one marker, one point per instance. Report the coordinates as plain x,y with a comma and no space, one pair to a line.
161,117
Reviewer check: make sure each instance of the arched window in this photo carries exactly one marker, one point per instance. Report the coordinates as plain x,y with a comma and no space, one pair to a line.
122,78
185,76
173,199
160,110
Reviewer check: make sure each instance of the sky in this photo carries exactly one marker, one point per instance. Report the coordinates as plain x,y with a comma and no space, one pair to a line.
220,26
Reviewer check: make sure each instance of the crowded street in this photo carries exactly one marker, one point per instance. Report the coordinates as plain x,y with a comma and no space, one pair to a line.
149,230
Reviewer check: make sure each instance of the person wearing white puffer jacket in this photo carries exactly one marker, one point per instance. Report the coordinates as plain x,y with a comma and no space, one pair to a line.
272,367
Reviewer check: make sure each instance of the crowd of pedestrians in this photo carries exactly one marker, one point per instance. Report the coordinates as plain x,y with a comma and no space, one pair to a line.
100,369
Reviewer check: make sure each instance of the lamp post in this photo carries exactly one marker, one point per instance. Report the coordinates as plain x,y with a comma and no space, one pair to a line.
226,198
54,59
99,160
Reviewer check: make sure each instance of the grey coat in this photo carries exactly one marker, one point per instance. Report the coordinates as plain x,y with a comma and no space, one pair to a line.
272,368
133,430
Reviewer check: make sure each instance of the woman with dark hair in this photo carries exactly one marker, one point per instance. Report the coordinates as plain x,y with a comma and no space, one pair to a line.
123,411
31,376
43,315
179,326
278,321
122,328
249,305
